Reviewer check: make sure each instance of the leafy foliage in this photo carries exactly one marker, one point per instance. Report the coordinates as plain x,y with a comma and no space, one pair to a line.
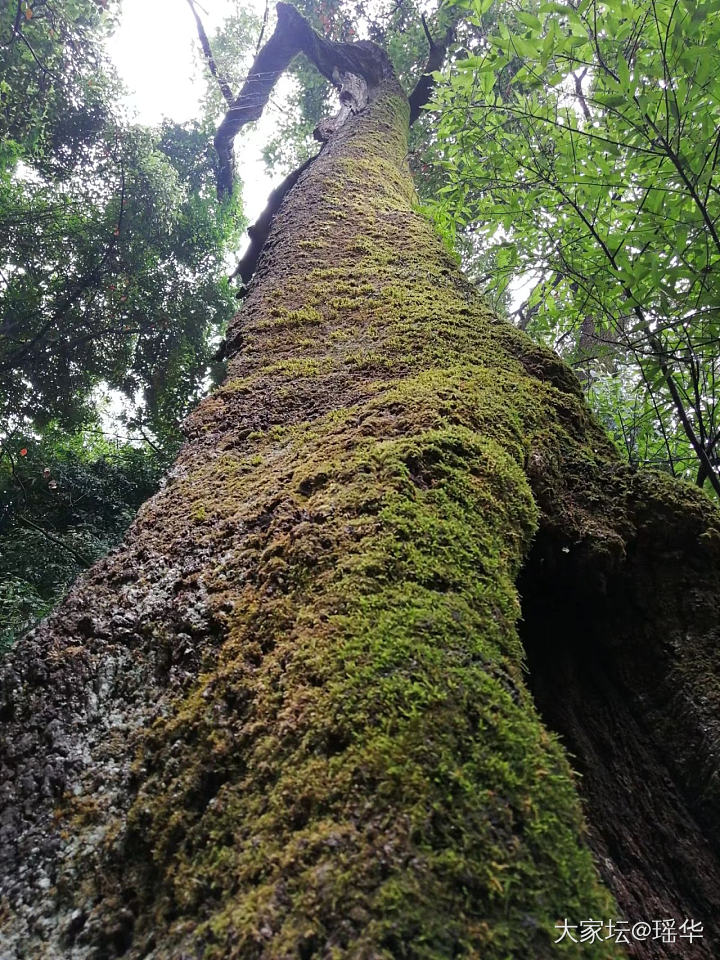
111,240
112,279
64,501
581,147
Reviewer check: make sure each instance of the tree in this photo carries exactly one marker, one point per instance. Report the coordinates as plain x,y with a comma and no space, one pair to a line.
112,279
110,236
581,141
291,714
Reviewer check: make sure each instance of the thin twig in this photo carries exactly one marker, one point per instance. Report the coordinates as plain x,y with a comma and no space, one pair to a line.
49,536
262,29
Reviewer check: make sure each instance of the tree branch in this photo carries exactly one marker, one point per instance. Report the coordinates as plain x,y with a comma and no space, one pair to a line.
426,84
210,59
428,35
16,23
262,29
83,561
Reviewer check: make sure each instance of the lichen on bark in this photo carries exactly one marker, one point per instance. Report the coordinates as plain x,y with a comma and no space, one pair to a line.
290,716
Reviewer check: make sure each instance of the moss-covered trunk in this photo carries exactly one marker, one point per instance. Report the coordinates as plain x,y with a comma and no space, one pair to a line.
290,716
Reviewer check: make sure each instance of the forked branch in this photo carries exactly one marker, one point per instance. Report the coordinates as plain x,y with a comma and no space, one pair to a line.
292,35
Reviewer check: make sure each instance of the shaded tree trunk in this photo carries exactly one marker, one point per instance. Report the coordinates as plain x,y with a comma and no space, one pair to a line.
292,717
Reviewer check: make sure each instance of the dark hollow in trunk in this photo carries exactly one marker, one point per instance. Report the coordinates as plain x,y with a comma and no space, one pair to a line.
606,673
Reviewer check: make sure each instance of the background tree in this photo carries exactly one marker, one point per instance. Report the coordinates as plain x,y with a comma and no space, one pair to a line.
290,715
581,146
112,281
64,501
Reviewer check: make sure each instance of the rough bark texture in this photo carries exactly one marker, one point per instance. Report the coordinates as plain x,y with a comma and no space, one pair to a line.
290,716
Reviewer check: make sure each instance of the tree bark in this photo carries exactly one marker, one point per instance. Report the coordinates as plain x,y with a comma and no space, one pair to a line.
291,716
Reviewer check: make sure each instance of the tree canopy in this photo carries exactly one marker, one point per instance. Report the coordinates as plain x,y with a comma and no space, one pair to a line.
111,240
580,150
113,282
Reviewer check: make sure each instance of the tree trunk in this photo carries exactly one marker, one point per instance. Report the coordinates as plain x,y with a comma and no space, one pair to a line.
292,717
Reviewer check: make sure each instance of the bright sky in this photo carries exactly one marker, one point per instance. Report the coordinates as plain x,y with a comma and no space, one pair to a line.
155,50
157,53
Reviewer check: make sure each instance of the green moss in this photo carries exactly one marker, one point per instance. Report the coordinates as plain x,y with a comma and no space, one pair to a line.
306,316
387,765
360,770
199,512
312,244
300,367
369,360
